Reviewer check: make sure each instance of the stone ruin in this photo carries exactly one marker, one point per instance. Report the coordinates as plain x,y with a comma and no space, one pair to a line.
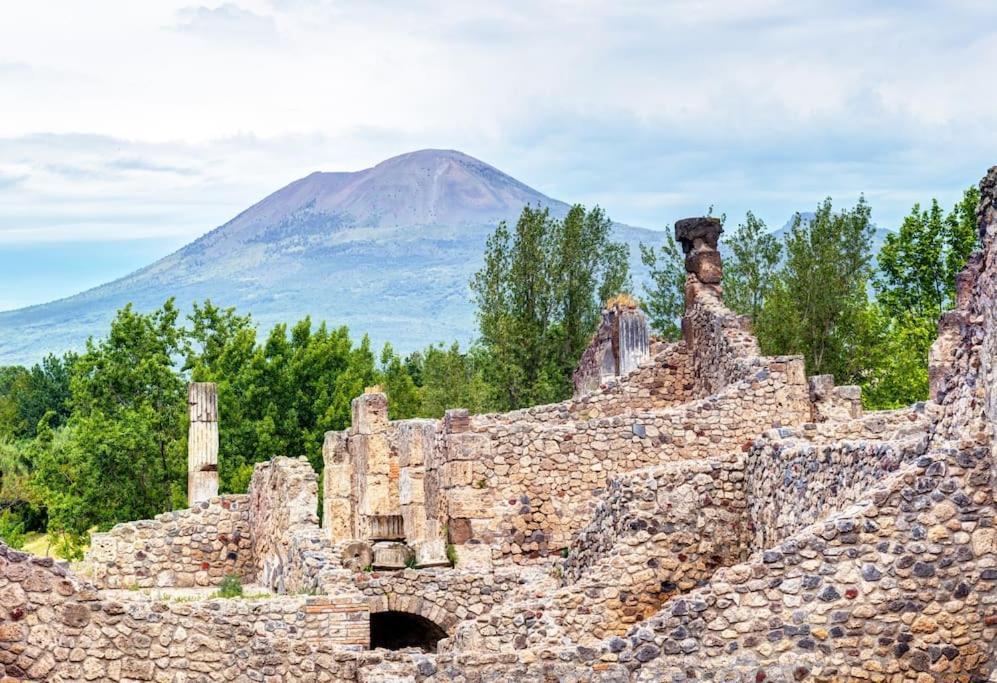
697,512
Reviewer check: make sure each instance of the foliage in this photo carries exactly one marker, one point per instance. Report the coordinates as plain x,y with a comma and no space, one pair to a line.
919,263
452,379
664,296
539,295
915,283
11,529
230,587
120,455
404,397
815,305
26,395
750,269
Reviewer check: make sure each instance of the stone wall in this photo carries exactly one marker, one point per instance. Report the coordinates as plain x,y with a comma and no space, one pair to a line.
444,596
197,546
663,380
524,488
283,498
621,343
657,533
793,483
56,628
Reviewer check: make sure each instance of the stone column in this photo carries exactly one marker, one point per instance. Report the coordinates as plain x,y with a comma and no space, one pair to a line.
337,485
471,521
202,442
375,467
699,238
416,440
619,346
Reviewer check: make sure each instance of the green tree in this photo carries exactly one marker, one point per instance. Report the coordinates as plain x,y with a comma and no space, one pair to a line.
815,307
539,294
918,264
120,456
452,379
664,297
404,397
750,269
915,283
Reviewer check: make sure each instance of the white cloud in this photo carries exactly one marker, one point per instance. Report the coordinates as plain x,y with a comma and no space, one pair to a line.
227,22
177,117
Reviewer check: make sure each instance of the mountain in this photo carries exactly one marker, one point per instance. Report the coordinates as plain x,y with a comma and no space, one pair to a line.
875,244
387,251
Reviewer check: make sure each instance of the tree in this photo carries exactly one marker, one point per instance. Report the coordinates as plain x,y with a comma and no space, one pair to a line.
815,306
404,397
750,269
27,395
664,298
918,264
538,296
452,379
915,283
123,458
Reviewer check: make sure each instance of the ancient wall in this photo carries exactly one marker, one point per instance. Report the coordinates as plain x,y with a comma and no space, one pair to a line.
657,533
197,546
621,343
283,500
54,627
524,488
445,597
663,380
793,483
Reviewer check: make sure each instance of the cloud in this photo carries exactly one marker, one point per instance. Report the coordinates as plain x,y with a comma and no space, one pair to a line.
9,181
227,22
652,109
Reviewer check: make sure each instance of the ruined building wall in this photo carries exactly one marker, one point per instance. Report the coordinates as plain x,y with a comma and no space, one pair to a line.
792,484
54,627
657,532
197,546
525,488
719,339
620,345
663,380
283,499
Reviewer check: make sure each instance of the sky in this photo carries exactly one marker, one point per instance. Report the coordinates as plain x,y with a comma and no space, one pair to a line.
127,129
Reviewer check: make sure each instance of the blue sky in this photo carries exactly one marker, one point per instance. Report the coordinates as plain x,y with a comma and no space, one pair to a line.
128,129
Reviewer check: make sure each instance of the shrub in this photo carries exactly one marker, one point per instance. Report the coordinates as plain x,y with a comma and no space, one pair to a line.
230,587
11,529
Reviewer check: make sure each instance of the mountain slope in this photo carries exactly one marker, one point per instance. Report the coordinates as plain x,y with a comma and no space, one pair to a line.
387,251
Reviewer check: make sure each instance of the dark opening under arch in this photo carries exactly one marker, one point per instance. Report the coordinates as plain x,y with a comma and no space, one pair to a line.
397,630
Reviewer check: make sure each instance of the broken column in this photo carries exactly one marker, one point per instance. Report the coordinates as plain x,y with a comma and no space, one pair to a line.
415,441
699,238
202,442
378,513
619,346
337,488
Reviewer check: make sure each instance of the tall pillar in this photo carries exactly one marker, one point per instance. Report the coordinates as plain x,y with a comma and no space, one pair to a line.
202,442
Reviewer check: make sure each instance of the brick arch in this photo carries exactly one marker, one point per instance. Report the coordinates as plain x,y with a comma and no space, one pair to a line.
412,604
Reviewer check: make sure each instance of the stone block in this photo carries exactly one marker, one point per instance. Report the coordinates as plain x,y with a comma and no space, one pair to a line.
391,555
370,413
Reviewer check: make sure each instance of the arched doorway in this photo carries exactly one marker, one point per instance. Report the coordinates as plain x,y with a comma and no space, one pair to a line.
398,630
